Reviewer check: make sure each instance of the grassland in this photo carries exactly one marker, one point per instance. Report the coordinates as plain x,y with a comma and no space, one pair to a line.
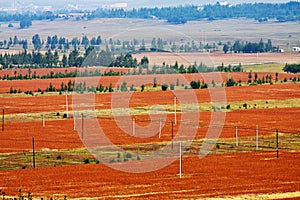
272,67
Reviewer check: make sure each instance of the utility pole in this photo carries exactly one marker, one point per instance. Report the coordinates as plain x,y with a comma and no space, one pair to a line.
2,120
180,160
172,133
236,137
82,125
33,153
256,137
67,104
277,154
175,110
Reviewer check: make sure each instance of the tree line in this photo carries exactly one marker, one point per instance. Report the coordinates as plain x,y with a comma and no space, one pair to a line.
123,61
182,14
249,47
52,75
63,44
36,59
292,68
178,15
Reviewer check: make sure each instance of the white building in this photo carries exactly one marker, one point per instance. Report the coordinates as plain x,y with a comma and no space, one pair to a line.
296,49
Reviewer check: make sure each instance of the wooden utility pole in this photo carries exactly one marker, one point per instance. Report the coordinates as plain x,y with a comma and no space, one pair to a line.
256,137
175,110
33,153
172,133
2,120
180,160
277,154
236,137
82,126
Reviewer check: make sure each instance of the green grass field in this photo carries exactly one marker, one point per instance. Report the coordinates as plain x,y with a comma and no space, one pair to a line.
273,67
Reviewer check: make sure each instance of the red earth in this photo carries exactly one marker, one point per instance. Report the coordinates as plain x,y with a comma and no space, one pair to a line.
47,71
59,134
45,103
220,175
213,176
136,80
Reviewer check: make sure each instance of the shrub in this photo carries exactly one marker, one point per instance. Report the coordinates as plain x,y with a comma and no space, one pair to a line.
228,106
142,88
58,157
128,155
213,83
230,82
177,82
204,85
172,86
124,87
29,92
195,85
154,82
164,87
132,88
86,161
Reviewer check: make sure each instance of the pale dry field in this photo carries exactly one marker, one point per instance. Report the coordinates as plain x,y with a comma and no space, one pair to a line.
215,59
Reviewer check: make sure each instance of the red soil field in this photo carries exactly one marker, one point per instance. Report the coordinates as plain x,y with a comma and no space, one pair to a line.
136,80
59,134
212,176
44,103
46,71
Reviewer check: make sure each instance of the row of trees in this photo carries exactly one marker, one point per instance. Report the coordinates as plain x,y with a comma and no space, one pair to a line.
292,68
51,43
177,15
33,59
64,44
61,42
248,47
102,58
182,14
33,75
52,59
157,45
6,44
